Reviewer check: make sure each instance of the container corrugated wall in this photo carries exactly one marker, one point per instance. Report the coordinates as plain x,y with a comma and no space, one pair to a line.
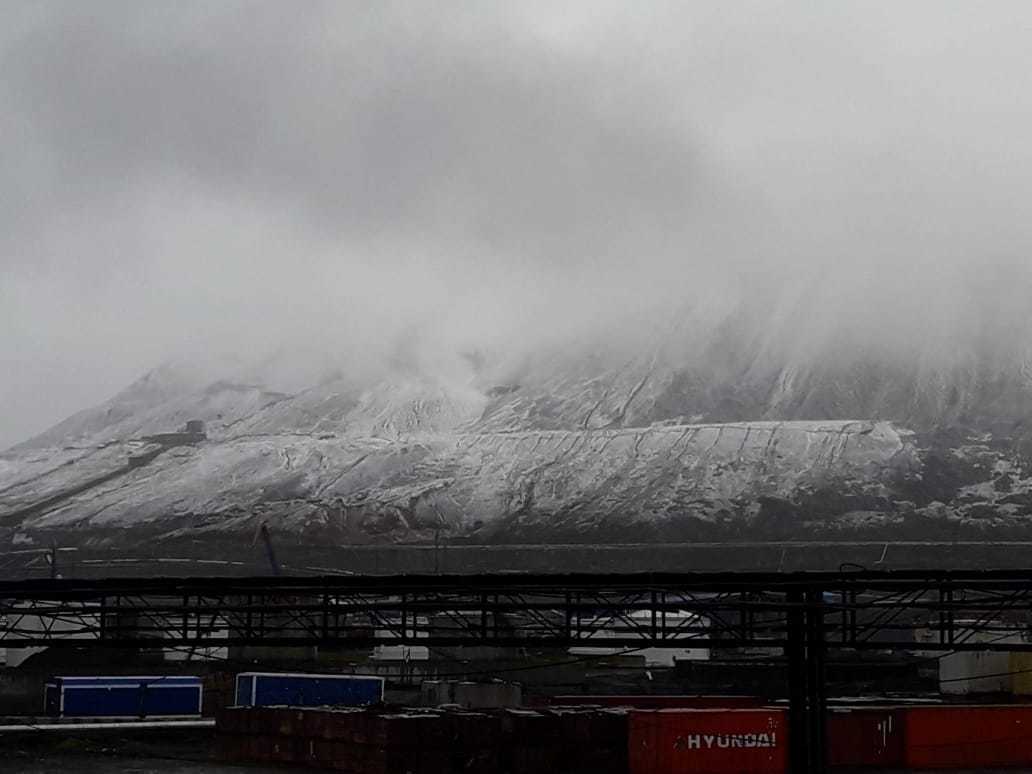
372,741
974,672
863,737
124,696
959,737
717,741
263,689
1020,667
658,701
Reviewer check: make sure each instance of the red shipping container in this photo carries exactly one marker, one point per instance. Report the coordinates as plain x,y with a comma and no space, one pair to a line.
715,741
284,749
865,736
228,721
961,737
258,748
229,748
290,722
658,701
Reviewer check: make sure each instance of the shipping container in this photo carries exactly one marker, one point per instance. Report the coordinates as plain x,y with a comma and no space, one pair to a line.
135,696
961,737
593,740
974,672
1020,668
658,701
264,689
361,740
862,737
495,694
715,741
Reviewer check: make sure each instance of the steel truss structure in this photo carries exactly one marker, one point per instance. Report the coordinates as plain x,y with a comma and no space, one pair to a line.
944,611
804,614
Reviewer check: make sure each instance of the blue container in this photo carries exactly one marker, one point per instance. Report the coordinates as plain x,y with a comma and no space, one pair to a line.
136,697
267,689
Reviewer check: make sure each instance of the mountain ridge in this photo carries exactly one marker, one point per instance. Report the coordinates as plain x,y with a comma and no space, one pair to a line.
590,447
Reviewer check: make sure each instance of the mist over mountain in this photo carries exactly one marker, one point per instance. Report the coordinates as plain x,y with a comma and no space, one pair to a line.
698,434
751,359
518,271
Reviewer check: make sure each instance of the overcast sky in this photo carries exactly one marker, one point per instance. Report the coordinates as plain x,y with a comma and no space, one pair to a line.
180,177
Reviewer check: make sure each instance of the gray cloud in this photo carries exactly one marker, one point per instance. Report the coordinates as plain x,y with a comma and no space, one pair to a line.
236,174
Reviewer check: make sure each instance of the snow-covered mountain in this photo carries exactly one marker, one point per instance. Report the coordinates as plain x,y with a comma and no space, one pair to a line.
649,445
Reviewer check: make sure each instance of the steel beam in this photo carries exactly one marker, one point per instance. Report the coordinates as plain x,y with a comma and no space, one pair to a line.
861,610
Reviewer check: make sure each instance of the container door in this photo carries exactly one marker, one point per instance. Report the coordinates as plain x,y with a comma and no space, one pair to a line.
245,690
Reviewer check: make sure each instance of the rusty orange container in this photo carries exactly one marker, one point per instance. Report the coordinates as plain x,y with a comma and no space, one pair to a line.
865,737
962,737
649,701
714,741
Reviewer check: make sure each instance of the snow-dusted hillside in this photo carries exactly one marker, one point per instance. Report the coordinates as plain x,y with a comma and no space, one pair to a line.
643,448
489,483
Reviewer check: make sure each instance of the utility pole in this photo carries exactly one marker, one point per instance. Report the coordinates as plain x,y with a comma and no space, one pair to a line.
270,553
437,549
52,561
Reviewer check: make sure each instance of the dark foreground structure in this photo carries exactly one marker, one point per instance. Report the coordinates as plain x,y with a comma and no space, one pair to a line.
802,614
231,558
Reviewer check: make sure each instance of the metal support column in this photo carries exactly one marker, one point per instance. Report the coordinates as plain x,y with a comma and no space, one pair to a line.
795,655
816,699
804,652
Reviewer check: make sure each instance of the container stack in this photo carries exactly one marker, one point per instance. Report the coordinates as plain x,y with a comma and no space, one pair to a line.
623,740
723,741
351,740
450,741
879,738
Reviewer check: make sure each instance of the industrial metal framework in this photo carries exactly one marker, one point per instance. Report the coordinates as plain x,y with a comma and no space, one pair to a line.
931,611
803,614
